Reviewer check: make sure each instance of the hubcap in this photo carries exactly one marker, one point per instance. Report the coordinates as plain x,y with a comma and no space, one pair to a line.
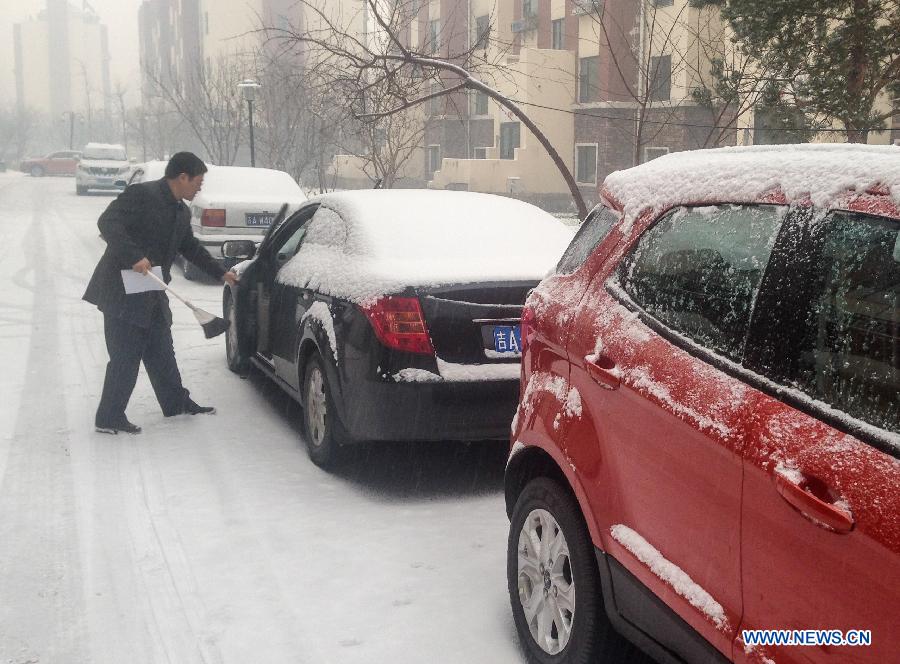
546,586
231,341
316,406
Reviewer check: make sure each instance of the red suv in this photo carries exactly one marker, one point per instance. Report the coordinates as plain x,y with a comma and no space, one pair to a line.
708,433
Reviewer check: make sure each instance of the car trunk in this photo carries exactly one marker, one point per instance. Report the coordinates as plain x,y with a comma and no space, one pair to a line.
475,323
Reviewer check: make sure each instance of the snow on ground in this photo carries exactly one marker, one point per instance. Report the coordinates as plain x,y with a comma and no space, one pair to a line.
213,538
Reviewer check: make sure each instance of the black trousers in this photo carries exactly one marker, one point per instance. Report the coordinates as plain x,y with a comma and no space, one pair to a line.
128,345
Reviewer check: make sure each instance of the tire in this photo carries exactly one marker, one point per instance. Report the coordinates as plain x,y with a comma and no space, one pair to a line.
238,362
79,190
191,273
323,430
578,629
37,171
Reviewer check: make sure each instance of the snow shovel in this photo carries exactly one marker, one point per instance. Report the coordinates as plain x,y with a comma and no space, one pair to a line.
212,326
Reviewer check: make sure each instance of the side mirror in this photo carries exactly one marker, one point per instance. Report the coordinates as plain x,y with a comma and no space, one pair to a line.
242,249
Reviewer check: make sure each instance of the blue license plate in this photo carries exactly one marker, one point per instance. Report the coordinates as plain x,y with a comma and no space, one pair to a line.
507,339
259,218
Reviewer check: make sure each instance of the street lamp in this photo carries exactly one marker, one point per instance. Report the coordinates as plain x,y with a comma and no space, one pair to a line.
248,89
71,115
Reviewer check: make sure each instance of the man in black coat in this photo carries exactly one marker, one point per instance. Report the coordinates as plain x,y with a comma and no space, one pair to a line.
147,225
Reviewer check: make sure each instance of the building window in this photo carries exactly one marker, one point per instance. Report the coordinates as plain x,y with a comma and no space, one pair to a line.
586,163
480,103
434,28
652,153
479,153
434,158
587,79
482,31
558,37
509,139
660,78
436,102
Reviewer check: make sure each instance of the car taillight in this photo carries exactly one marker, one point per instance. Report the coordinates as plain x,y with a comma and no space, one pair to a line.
526,327
213,218
398,322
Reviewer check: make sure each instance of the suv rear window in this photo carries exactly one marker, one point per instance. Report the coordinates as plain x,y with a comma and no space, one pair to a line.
591,233
697,271
841,345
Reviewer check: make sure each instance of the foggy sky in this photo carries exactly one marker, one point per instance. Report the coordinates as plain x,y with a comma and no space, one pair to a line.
119,16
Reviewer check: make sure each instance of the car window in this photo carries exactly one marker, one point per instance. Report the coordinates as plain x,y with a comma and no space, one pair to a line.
589,235
697,271
292,243
842,346
137,176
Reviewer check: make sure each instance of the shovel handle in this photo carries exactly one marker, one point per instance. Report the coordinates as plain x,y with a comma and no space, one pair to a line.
166,286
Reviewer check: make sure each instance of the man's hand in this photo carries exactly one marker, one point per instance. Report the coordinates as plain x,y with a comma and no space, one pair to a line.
231,278
143,266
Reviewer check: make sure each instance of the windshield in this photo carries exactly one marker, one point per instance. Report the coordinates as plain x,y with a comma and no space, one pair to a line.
111,153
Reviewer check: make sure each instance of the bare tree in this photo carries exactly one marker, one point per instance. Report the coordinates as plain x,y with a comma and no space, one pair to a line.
408,76
18,130
209,103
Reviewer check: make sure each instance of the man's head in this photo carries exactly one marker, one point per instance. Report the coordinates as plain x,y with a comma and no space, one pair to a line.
184,173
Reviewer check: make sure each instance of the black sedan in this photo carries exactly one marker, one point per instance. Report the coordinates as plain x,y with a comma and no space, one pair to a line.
392,315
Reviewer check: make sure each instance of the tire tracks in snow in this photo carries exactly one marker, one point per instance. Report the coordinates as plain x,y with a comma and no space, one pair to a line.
41,615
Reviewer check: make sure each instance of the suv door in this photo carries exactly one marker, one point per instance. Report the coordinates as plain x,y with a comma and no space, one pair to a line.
821,545
659,446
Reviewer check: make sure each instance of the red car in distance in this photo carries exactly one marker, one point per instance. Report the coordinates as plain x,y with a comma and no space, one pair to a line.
708,433
55,163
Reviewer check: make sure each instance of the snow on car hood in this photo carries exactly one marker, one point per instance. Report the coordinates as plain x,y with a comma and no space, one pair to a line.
104,163
364,244
820,172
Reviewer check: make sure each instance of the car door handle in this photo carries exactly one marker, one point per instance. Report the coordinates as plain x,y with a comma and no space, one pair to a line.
603,371
815,509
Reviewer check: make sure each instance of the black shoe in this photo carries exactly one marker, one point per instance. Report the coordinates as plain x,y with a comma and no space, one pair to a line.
124,427
192,408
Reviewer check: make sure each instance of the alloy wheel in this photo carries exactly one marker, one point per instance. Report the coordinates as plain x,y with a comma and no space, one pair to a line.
545,583
316,406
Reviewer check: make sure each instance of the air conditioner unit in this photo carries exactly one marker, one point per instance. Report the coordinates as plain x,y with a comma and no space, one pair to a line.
583,7
524,24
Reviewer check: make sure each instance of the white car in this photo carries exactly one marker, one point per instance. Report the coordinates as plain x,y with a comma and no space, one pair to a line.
146,171
102,166
239,203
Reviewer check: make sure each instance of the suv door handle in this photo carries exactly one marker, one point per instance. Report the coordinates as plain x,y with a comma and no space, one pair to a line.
814,508
605,376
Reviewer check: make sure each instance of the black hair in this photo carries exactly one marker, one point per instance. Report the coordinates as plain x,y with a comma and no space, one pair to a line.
185,162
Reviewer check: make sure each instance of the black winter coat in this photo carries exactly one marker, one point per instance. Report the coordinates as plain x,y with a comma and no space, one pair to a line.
144,221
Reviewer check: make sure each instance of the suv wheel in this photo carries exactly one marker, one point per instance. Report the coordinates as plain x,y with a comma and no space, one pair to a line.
324,432
191,273
37,171
554,585
79,190
237,361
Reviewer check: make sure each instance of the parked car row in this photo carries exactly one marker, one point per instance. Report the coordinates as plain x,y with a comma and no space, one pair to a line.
702,385
63,162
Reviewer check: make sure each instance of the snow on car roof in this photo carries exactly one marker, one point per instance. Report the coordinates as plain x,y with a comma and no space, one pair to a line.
364,244
821,172
237,180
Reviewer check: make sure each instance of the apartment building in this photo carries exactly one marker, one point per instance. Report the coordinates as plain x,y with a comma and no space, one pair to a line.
61,63
608,81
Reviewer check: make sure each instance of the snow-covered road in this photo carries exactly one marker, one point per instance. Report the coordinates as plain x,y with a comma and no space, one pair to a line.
213,539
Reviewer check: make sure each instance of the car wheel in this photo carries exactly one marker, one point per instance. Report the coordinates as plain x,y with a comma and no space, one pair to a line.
191,273
324,432
79,190
554,585
37,172
237,361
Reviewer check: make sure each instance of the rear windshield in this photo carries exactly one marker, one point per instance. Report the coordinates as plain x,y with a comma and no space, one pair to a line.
112,154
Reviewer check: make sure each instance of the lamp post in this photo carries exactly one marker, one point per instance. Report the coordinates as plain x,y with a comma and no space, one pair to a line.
248,89
71,116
